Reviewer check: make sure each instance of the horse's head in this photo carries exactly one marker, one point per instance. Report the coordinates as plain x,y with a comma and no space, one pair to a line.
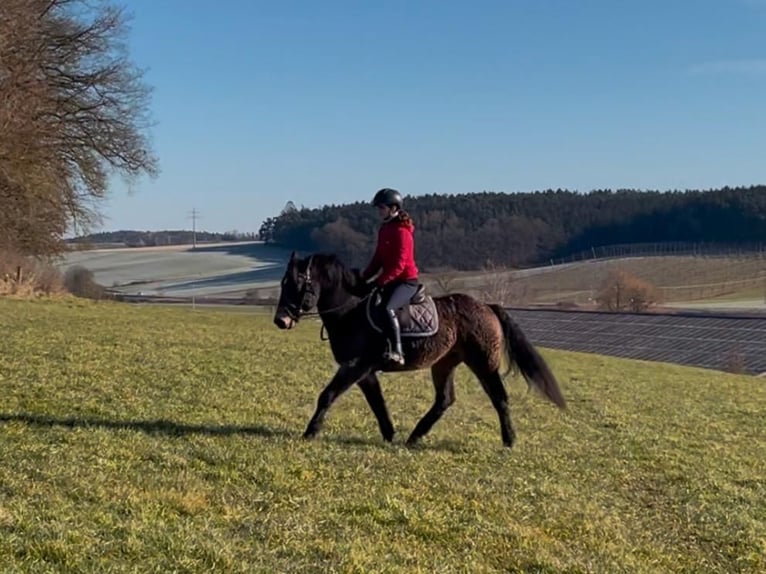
299,292
305,280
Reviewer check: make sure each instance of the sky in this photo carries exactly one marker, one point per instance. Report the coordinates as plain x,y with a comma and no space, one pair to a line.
260,103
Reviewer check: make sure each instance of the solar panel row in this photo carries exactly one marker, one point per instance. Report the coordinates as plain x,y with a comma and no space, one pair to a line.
715,342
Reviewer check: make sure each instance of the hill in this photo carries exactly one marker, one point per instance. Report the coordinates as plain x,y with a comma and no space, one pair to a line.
235,269
148,438
680,279
468,231
229,268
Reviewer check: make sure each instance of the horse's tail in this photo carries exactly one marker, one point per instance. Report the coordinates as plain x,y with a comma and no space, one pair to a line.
522,353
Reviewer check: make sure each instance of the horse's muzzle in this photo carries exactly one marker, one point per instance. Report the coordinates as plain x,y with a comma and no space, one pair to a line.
284,321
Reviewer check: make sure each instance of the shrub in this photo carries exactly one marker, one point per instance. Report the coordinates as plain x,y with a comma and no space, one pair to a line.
79,282
22,276
622,291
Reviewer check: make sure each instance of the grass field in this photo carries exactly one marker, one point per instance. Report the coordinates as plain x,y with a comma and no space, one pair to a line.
157,439
679,279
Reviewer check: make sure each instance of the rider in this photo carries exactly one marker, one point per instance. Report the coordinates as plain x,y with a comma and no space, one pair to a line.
394,258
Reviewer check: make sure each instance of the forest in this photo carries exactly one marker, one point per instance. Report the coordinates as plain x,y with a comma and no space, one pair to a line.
469,231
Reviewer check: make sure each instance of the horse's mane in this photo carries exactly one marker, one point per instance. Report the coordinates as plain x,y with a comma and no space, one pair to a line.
332,270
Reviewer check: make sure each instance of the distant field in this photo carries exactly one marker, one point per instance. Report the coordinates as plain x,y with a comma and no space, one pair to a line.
150,439
228,269
231,270
680,278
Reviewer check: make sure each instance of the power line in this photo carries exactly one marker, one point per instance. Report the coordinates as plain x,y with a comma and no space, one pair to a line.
194,217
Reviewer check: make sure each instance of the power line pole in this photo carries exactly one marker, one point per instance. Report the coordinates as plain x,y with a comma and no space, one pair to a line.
194,217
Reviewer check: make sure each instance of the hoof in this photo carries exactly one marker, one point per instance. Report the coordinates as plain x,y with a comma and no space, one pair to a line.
388,435
412,442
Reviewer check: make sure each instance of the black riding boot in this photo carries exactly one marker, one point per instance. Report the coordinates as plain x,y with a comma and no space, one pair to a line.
395,343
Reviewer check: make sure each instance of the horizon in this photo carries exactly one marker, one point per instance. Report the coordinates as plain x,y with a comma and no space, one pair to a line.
257,105
312,208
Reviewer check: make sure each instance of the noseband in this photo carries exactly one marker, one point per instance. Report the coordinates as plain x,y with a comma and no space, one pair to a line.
296,311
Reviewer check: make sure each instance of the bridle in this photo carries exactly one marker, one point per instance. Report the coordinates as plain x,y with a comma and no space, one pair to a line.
308,297
295,312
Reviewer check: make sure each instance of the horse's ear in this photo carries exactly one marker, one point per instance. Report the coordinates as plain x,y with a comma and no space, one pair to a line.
293,256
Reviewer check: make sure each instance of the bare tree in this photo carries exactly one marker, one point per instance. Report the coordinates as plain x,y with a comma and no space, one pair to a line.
73,112
497,284
623,291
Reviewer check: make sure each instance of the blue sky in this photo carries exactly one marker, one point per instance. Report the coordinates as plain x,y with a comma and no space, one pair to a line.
258,103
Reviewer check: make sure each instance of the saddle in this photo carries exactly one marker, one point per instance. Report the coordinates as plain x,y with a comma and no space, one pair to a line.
418,318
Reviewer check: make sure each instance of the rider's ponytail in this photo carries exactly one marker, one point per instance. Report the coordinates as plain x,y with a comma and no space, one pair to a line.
404,217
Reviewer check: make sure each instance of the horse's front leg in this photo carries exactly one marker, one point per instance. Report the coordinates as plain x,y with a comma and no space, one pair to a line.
346,376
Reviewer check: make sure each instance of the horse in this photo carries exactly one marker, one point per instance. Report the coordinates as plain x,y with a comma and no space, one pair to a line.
438,332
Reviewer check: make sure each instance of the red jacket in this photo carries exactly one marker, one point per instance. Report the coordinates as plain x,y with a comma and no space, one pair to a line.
394,253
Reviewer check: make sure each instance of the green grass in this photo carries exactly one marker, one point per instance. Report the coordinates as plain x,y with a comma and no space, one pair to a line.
150,439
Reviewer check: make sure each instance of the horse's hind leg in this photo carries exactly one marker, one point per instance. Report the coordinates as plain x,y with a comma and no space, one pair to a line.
344,378
443,377
370,386
492,383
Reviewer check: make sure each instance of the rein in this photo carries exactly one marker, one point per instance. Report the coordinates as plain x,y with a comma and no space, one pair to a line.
331,310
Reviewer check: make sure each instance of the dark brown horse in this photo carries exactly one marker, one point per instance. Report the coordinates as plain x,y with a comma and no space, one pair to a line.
468,331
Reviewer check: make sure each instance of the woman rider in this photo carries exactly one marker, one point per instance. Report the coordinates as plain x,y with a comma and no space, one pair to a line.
392,267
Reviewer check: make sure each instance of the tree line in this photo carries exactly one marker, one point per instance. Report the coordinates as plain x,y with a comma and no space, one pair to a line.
135,238
469,231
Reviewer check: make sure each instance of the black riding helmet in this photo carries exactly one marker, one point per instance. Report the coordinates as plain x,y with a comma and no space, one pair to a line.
389,197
